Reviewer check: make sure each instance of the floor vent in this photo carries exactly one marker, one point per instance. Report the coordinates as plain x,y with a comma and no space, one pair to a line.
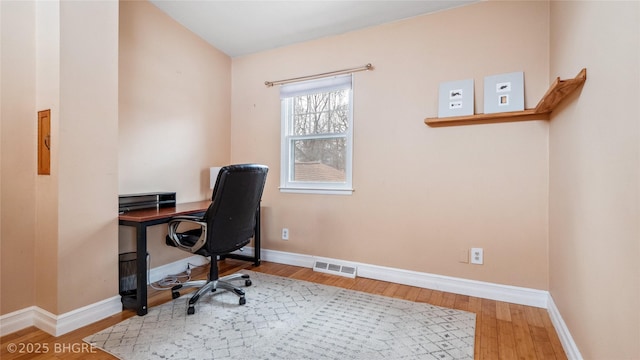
335,268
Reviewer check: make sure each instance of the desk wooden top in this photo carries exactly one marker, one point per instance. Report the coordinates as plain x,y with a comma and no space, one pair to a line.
166,212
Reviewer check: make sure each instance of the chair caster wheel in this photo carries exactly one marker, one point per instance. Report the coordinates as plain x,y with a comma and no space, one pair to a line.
175,294
191,310
247,283
242,301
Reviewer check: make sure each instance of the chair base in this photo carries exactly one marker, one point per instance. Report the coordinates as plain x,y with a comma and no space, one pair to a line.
206,286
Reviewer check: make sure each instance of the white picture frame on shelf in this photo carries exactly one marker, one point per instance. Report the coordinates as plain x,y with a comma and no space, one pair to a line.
456,98
504,93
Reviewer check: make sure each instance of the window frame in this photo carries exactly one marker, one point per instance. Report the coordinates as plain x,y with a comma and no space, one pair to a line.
287,154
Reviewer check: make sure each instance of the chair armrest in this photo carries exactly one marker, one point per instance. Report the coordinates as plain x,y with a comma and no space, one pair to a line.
186,218
175,236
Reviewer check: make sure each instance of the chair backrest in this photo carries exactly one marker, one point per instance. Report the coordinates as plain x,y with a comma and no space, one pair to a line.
231,216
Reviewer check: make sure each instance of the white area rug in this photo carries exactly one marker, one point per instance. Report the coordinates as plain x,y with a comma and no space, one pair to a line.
292,319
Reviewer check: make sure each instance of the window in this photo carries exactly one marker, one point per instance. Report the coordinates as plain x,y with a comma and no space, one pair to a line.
317,141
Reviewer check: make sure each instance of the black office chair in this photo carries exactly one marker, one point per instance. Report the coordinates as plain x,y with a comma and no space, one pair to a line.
227,226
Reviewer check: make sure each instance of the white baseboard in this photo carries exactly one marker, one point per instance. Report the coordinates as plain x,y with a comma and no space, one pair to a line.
481,289
513,294
176,267
506,293
287,258
569,346
16,320
57,325
61,324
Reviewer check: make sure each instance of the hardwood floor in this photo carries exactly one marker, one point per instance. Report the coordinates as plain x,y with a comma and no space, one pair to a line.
503,330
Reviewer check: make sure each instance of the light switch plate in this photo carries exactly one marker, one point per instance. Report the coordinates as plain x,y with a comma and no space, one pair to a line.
463,256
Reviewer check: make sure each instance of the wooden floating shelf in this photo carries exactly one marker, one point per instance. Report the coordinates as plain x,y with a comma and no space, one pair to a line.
558,91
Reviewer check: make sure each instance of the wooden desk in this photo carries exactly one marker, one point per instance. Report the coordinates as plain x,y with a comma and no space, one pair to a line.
141,219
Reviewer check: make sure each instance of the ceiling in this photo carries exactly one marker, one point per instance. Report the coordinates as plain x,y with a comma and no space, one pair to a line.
243,27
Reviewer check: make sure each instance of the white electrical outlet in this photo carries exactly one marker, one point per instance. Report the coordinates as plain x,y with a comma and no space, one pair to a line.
477,256
285,234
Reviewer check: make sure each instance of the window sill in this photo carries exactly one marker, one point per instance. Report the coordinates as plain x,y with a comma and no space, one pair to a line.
317,191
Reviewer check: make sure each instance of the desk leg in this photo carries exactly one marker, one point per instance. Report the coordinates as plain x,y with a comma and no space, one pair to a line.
141,267
256,240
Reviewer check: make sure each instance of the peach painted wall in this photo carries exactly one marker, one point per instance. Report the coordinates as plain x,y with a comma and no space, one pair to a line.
175,96
48,97
88,154
17,156
421,194
595,177
59,230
